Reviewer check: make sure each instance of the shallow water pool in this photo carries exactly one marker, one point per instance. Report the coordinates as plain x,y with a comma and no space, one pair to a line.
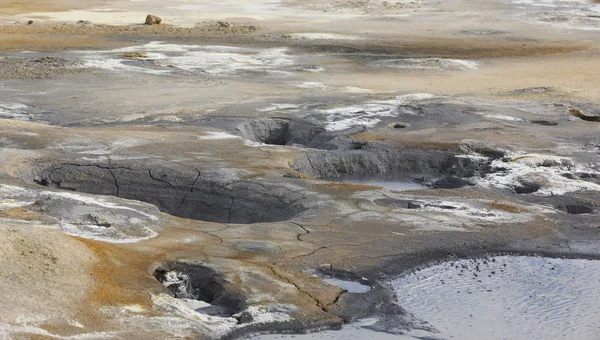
503,297
350,286
506,297
400,185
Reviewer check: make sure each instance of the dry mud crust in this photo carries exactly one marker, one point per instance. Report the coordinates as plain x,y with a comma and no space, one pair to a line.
38,68
84,28
375,159
437,47
177,190
279,131
68,36
52,37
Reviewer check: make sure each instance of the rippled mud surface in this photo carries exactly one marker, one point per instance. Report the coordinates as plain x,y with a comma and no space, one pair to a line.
358,331
506,297
503,297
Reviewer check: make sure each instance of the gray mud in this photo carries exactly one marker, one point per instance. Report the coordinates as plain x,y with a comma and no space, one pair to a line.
180,191
514,297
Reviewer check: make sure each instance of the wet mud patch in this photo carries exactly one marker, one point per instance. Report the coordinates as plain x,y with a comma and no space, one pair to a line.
506,297
182,192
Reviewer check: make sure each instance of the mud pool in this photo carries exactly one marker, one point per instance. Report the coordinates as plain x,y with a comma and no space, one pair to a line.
358,331
506,297
503,297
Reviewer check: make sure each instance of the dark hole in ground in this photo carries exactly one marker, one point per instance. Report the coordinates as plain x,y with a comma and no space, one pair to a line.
577,209
527,188
279,131
178,191
202,283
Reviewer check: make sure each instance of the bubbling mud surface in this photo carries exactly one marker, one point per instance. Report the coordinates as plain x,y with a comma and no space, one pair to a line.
506,297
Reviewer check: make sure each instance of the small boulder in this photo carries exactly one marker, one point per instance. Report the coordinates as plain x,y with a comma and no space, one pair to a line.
153,20
30,22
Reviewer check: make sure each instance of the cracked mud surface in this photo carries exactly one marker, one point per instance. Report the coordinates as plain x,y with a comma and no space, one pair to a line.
198,179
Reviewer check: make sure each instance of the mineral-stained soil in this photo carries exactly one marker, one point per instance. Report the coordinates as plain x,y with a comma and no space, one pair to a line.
194,179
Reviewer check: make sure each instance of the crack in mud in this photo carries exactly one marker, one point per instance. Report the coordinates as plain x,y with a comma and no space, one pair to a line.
202,196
